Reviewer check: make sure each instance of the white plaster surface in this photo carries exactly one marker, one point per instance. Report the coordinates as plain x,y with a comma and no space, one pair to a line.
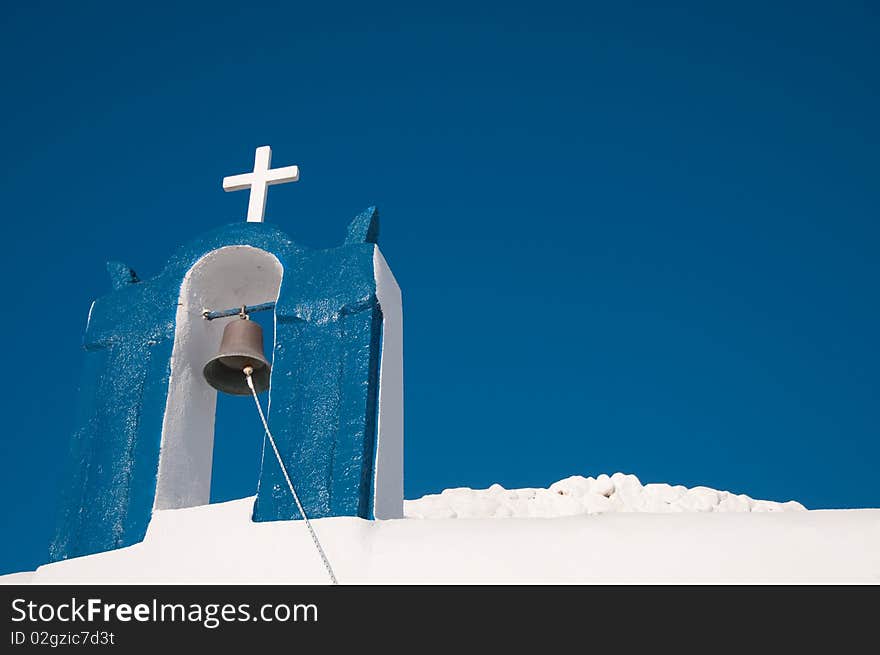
579,495
737,544
388,481
25,577
224,278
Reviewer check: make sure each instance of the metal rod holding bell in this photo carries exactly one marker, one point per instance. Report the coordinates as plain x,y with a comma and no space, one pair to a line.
241,347
236,311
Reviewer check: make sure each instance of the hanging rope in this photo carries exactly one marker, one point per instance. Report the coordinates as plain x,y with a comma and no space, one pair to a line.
248,371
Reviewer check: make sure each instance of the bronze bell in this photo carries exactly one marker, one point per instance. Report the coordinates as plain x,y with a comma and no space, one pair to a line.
241,346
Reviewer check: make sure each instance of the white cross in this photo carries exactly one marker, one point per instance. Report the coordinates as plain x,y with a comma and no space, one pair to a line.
257,181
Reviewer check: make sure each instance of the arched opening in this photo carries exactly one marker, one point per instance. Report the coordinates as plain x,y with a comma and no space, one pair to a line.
224,278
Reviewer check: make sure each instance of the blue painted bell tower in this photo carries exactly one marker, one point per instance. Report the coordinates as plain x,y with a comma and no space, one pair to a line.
145,427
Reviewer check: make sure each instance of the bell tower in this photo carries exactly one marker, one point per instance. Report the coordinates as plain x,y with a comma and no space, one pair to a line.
158,350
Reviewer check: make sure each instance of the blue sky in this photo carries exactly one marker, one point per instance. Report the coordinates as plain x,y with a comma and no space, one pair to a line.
629,238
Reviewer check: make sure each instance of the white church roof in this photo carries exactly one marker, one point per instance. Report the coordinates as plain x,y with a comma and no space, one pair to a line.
564,534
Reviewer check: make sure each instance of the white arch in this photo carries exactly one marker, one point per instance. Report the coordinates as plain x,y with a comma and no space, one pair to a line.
227,277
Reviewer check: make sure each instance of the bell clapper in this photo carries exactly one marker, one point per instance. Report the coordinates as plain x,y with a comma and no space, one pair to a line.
248,371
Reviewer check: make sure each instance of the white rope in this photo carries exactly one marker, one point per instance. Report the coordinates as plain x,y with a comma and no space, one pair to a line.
299,506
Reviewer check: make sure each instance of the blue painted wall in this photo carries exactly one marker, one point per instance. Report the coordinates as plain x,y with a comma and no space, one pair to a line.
324,388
